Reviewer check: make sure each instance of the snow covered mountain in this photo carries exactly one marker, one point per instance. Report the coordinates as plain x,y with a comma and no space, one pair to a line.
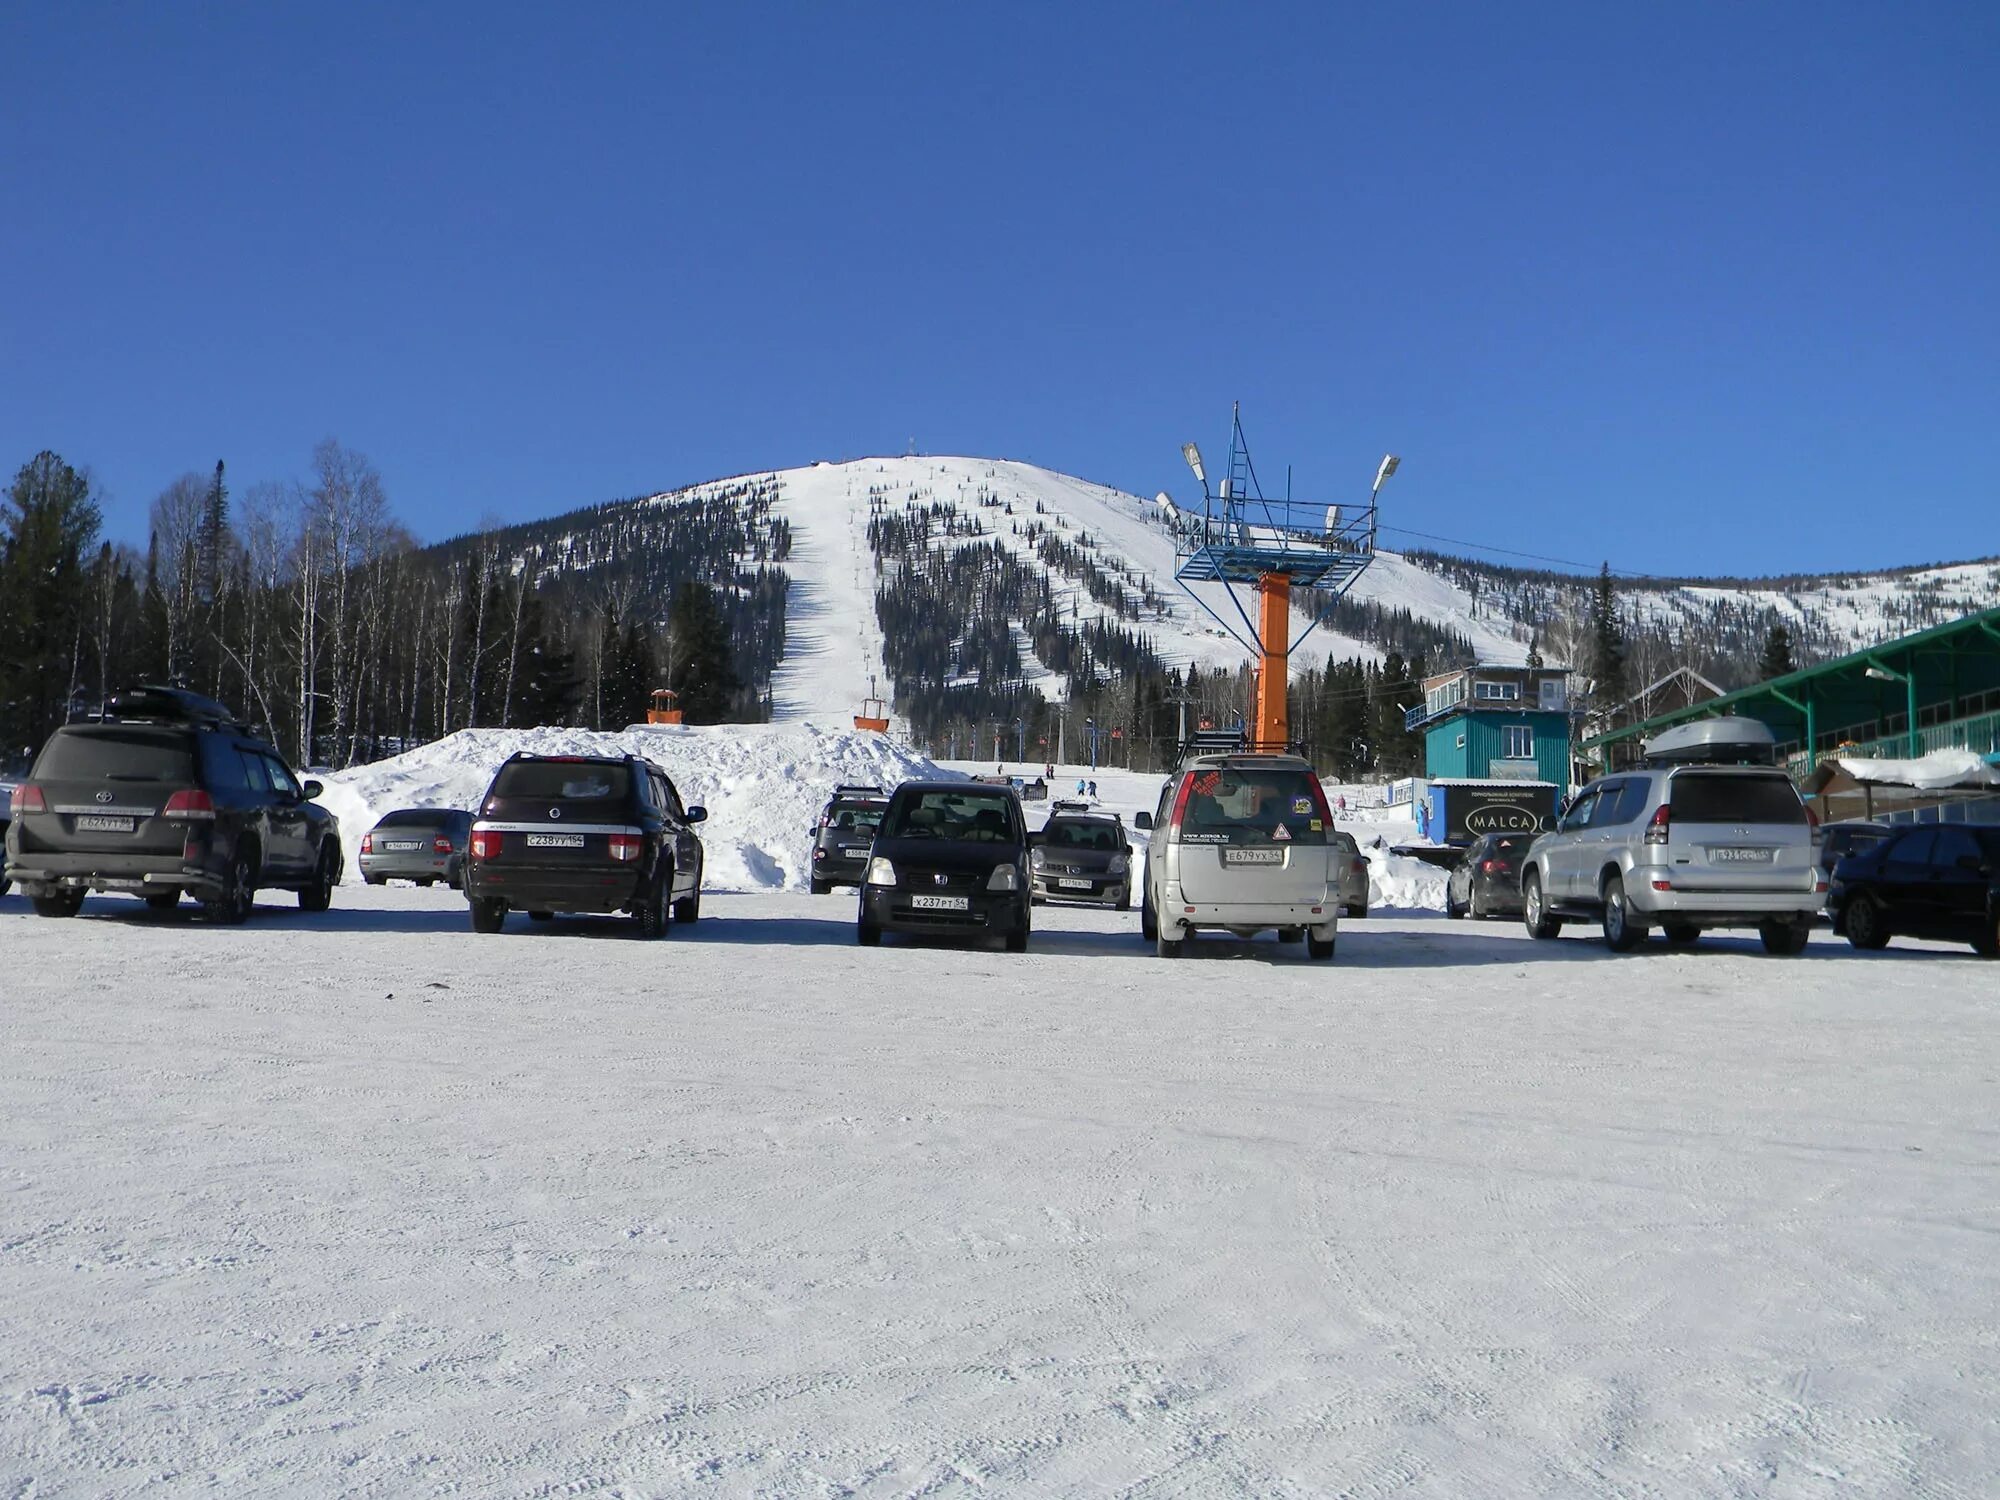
1107,560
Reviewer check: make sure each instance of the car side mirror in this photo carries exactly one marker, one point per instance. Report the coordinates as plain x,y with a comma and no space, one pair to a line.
697,815
312,789
1144,822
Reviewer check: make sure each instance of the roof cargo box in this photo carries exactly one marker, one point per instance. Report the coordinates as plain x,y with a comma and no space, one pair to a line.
1726,741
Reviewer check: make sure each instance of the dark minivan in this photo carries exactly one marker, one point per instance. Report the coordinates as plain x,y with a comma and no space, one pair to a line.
950,858
165,793
576,833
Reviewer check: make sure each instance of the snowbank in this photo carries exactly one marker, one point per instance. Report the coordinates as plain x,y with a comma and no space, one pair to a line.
1927,773
763,784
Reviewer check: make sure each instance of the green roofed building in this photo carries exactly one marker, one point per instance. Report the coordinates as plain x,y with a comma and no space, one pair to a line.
1938,689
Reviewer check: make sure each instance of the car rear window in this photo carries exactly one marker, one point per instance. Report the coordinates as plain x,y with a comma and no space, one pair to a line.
118,755
1252,805
1726,797
1508,848
968,815
414,817
564,781
861,815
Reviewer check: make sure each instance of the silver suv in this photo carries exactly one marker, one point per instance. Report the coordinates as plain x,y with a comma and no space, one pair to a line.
1708,834
1242,843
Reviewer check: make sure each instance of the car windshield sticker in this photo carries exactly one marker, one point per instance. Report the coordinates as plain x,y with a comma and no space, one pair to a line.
1301,807
1281,833
1314,826
1206,783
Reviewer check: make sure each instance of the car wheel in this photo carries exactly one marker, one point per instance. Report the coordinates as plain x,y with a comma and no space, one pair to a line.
867,934
1148,928
1865,927
1451,908
1017,940
1472,907
1125,901
817,886
541,916
1621,933
1358,911
1786,939
164,900
1681,934
454,876
1539,924
1168,947
688,908
1291,934
1987,944
489,914
652,913
318,896
239,892
375,879
426,880
1320,948
61,904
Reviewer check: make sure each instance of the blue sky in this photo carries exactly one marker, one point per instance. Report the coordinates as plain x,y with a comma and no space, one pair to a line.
1688,288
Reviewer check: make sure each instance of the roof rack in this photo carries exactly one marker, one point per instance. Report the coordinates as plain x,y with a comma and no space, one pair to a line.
857,788
172,705
1232,742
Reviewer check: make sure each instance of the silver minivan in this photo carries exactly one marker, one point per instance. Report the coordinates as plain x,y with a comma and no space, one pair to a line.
1242,843
1709,834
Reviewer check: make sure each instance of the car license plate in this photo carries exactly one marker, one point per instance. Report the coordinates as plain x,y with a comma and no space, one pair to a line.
941,903
1253,856
92,823
1741,856
555,841
404,844
1074,885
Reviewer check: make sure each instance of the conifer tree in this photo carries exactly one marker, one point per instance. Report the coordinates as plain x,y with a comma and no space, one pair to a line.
1777,658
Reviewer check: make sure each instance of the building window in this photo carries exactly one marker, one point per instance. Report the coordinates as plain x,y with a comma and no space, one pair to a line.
1461,743
1497,692
1518,742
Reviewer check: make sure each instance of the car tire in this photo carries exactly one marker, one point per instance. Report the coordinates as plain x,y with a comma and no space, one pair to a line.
426,880
239,893
318,894
1680,934
867,934
1472,907
163,900
1017,940
1148,928
1320,948
1786,939
688,908
541,916
489,914
1452,910
61,904
1865,927
1168,947
1125,901
654,912
1291,934
1621,932
1358,912
1987,944
817,886
375,879
1538,923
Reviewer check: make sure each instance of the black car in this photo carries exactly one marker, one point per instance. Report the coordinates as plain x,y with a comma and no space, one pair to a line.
1082,856
578,833
1487,881
165,793
951,857
1938,881
841,835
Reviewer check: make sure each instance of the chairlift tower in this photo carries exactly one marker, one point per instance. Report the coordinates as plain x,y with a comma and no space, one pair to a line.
1242,540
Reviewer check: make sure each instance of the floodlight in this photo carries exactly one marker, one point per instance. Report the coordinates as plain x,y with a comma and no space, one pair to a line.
1883,674
1389,462
1193,456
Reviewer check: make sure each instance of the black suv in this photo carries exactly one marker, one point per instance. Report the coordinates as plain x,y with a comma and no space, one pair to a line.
167,792
841,836
950,857
580,833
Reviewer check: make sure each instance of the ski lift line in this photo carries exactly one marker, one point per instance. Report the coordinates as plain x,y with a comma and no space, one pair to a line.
1561,562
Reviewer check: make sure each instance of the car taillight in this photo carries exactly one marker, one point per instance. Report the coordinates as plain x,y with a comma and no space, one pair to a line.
1488,866
485,845
29,799
367,843
441,844
1656,831
626,845
1361,867
192,804
1180,803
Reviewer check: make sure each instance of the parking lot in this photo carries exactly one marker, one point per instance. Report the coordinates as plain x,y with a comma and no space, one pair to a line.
365,1203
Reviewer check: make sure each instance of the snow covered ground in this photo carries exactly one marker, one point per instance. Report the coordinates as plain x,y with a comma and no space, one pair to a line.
367,1204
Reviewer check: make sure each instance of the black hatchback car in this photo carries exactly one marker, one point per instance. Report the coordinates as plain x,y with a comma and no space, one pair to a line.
1939,881
1487,881
165,793
575,833
951,858
842,835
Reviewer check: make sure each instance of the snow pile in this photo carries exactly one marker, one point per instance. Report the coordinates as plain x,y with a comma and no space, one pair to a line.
763,784
1927,773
